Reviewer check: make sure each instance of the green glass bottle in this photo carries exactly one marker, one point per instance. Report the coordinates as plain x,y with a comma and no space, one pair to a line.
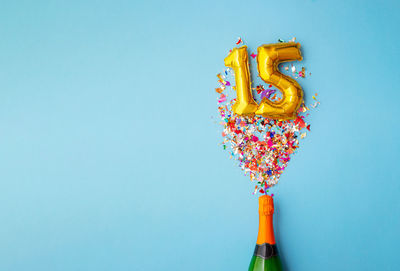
265,256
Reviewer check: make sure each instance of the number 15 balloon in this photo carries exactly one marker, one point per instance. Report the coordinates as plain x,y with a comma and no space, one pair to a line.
268,58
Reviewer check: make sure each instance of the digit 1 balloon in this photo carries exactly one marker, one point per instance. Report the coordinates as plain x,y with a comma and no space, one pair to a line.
238,60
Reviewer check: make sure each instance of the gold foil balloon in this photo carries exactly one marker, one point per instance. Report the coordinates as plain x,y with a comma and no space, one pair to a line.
239,62
268,58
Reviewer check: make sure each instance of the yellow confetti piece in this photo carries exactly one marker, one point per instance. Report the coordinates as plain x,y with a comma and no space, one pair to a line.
221,79
303,135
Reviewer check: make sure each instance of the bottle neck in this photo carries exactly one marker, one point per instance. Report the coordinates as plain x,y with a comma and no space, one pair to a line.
265,226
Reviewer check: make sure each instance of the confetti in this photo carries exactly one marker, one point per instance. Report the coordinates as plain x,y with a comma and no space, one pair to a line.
263,147
219,90
222,98
253,55
315,104
266,94
302,73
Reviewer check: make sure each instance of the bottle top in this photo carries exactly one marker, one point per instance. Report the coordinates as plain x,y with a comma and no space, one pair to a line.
266,205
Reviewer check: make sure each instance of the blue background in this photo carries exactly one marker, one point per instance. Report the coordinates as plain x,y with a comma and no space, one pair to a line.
109,157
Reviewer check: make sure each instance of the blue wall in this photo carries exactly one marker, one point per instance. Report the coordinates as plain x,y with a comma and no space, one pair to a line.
109,158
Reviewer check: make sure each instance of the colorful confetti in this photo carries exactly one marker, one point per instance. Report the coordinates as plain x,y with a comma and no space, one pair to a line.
263,147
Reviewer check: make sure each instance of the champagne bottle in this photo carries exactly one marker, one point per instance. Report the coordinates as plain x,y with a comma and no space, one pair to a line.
265,254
